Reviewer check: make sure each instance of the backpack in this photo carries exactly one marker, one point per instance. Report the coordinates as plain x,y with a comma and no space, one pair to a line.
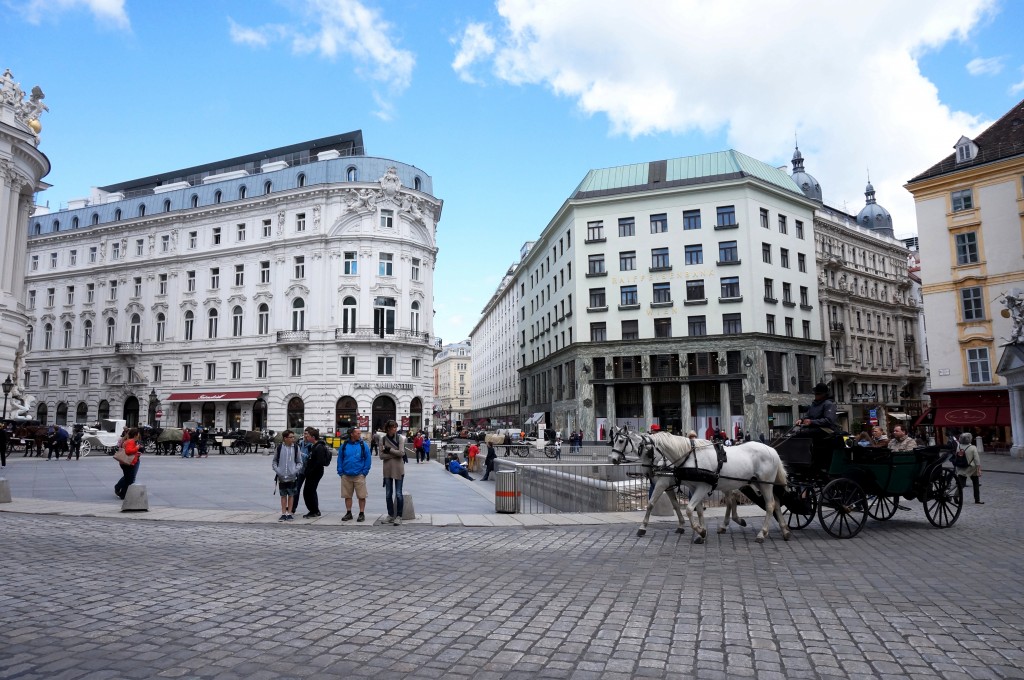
326,455
960,458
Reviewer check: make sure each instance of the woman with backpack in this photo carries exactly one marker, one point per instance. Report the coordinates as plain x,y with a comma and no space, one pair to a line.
967,462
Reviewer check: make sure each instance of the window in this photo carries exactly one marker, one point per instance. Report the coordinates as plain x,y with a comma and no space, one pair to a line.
799,227
70,295
137,286
298,314
117,215
383,316
630,329
351,174
770,319
295,365
243,191
215,277
627,261
351,263
265,271
691,219
627,295
266,226
595,231
239,274
158,374
161,327
415,368
53,260
387,219
28,343
186,372
962,200
263,319
730,286
967,248
261,368
595,264
90,292
598,332
115,250
804,298
348,315
301,180
216,236
46,378
140,247
728,252
973,306
73,258
92,255
86,334
659,258
211,371
727,216
112,287
161,284
789,327
978,369
695,290
807,330
627,227
190,281
414,317
236,322
662,292
67,335
696,325
217,196
787,292
659,223
783,229
211,324
348,365
415,269
385,264
769,290
240,232
385,365
189,322
111,331
34,266
597,298
764,219
299,267
663,328
784,257
31,299
193,239
195,201
50,292
694,254
766,253
300,222
236,370
801,262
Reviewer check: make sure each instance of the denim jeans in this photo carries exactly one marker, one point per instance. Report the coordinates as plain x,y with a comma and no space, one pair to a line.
128,475
394,486
186,449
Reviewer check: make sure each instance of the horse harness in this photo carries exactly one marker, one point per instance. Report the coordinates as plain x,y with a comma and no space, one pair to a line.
693,473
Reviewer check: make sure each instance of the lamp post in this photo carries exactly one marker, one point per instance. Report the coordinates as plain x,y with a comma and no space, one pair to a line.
8,386
154,403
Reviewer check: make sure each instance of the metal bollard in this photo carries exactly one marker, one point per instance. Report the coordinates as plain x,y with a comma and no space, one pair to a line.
506,491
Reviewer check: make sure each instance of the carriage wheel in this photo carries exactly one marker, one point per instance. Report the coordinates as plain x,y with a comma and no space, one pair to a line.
549,451
842,508
150,446
883,507
803,514
945,498
239,447
523,451
85,448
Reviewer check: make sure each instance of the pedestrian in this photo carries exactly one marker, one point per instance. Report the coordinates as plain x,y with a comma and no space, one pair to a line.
287,465
426,447
472,451
354,458
203,437
972,468
76,443
558,448
457,468
130,470
186,443
301,479
318,458
417,444
489,461
392,458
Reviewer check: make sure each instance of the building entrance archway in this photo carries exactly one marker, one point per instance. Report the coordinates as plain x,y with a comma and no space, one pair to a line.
346,414
131,412
384,409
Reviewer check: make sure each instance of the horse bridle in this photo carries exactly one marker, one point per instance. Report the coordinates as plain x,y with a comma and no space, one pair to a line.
645,443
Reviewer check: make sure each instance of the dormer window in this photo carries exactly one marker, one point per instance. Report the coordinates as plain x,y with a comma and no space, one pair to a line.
966,150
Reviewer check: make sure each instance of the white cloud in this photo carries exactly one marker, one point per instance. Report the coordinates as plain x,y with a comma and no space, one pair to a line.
348,27
110,12
845,77
1017,88
474,45
981,66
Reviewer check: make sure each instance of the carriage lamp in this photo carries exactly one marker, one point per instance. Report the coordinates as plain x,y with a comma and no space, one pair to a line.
8,386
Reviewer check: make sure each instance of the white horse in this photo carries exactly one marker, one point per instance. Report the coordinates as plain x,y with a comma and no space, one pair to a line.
750,463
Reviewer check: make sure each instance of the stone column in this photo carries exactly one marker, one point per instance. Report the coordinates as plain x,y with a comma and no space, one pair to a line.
685,407
648,405
1017,421
723,403
610,397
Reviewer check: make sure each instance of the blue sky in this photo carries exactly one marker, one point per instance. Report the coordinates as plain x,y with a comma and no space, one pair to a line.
508,104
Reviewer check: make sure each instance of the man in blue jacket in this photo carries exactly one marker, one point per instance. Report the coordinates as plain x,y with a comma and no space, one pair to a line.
353,465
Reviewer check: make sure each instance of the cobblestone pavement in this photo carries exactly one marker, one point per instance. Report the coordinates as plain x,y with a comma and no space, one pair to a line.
109,598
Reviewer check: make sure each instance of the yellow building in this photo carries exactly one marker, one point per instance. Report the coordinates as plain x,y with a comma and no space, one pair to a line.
970,219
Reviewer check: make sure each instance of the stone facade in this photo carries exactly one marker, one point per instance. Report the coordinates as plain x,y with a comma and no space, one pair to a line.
453,384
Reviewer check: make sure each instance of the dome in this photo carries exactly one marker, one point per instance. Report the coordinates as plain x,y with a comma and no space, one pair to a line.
873,216
806,182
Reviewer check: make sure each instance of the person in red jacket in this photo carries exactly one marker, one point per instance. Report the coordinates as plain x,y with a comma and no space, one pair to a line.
129,470
471,454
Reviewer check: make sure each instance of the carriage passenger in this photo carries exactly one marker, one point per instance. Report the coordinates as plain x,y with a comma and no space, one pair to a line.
900,441
879,440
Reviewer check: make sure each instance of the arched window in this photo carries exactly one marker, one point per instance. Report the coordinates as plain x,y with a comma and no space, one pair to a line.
236,322
348,315
136,328
167,205
209,414
195,200
351,173
110,331
74,223
190,321
242,191
28,339
47,336
87,333
103,410
41,413
142,209
211,325
56,225
268,186
417,184
263,319
296,414
37,229
414,321
117,215
82,413
298,314
259,415
95,218
161,327
67,335
217,196
62,413
302,180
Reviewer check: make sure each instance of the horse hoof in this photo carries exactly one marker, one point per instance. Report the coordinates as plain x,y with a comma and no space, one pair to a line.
641,532
760,538
786,536
680,530
703,533
722,530
741,522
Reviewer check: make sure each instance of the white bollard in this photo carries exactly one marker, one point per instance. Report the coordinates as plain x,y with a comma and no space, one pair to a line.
5,491
136,499
408,511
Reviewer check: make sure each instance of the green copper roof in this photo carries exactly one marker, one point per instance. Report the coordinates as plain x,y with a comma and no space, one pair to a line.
709,167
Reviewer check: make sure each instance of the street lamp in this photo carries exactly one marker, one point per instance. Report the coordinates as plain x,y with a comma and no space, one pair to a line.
154,404
8,386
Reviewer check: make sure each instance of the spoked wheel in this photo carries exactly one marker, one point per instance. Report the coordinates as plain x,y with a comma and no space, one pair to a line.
549,451
523,451
843,508
85,448
945,498
150,446
883,507
800,505
240,447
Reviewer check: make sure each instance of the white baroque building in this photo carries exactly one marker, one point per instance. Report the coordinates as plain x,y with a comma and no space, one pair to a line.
288,287
453,384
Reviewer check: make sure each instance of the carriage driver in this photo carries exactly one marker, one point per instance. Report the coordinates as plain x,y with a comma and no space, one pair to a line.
821,414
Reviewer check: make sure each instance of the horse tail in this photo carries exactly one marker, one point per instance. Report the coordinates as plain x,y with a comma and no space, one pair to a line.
781,478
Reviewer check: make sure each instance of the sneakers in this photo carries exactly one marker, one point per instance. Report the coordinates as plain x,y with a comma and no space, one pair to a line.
362,517
288,518
282,518
311,515
397,522
348,516
389,520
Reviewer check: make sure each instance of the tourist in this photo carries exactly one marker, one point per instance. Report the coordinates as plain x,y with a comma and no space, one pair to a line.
392,457
354,458
287,465
130,470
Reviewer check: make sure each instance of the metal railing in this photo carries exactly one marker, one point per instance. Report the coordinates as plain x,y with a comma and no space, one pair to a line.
369,335
293,336
127,347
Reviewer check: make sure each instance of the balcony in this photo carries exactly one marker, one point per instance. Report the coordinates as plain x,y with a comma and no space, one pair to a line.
720,227
370,335
128,348
293,337
837,327
909,339
728,263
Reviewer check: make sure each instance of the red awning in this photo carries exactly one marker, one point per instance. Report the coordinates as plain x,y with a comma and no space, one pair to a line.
969,417
214,395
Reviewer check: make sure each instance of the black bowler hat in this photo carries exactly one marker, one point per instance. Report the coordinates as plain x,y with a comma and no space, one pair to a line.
821,388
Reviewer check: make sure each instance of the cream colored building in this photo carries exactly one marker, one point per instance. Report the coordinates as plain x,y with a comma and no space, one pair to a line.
970,217
453,376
